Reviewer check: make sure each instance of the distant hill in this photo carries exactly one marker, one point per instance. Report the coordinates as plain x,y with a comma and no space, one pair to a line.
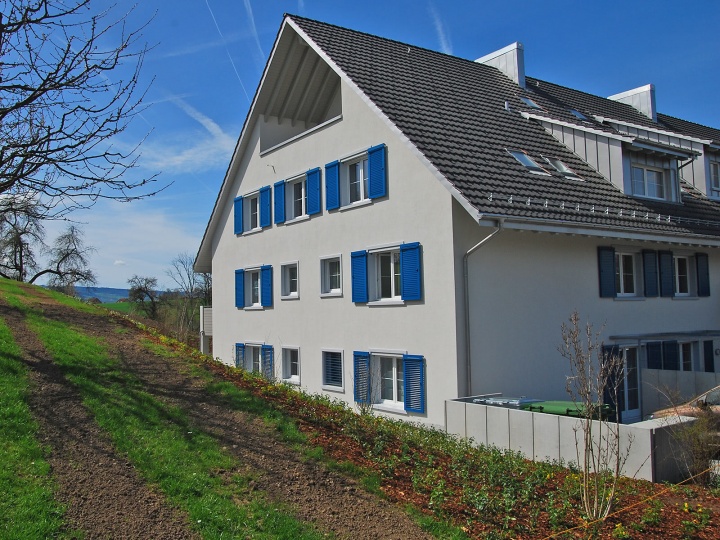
105,294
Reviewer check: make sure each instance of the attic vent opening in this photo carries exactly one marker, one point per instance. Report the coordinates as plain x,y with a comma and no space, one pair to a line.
301,92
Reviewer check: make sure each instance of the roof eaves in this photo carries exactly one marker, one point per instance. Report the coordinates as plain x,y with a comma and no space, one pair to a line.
583,127
678,134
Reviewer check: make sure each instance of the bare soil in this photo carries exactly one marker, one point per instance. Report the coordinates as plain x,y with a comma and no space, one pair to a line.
104,494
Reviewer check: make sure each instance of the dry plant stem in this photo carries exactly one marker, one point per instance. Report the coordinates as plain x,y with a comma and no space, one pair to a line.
593,375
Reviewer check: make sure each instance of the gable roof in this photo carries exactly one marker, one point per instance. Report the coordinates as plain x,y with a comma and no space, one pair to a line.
463,117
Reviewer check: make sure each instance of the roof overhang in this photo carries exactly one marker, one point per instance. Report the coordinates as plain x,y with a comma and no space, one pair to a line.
666,336
651,147
603,119
579,127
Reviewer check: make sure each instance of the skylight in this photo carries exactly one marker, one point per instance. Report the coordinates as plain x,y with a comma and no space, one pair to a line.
563,169
529,102
578,114
527,161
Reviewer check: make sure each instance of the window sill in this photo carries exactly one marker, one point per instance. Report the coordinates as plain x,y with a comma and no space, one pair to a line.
357,204
254,308
252,231
376,303
338,389
293,380
304,217
337,294
685,298
290,297
629,298
397,409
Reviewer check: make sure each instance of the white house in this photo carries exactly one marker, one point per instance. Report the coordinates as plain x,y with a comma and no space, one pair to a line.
403,227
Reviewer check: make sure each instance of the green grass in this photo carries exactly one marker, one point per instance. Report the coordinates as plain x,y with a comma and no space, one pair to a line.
121,307
189,466
27,506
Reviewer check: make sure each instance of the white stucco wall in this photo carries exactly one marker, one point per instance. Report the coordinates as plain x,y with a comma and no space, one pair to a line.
524,285
417,209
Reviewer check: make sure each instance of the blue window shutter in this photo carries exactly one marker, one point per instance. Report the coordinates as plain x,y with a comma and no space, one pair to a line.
703,274
358,269
414,383
312,185
654,354
609,397
377,172
280,201
238,215
265,204
239,288
267,361
266,286
650,272
411,271
332,185
671,355
667,273
361,375
239,355
606,272
708,356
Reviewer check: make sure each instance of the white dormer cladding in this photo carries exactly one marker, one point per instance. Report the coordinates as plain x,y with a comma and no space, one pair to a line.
641,98
510,60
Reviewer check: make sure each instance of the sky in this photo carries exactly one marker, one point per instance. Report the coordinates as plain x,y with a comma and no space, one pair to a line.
207,58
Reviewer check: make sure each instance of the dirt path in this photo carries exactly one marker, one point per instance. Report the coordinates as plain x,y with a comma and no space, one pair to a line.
334,503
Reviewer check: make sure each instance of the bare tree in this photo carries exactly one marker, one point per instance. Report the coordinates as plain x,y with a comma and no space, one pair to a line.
144,293
188,300
21,236
69,261
595,374
59,107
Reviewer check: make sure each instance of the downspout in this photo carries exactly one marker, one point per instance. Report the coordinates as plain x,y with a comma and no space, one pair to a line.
481,243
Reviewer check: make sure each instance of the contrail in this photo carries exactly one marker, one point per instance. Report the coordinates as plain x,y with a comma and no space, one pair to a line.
227,51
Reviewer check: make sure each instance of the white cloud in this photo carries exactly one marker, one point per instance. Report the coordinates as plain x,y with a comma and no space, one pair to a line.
253,28
190,151
443,37
119,262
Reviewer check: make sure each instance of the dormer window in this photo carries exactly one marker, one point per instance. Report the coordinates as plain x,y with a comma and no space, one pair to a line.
649,182
577,114
529,102
527,161
715,177
563,169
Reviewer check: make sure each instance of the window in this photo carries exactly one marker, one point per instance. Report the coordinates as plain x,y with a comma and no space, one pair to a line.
715,176
663,355
577,114
529,102
649,182
682,276
356,179
563,169
331,276
291,365
290,284
393,379
252,358
390,275
332,370
297,197
256,358
686,356
527,162
253,287
625,274
252,211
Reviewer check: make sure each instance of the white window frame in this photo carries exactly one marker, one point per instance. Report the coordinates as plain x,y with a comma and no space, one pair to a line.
665,175
686,348
287,375
285,280
398,399
290,210
253,357
251,209
325,288
346,165
526,161
714,172
374,275
620,269
689,287
248,303
562,168
325,385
